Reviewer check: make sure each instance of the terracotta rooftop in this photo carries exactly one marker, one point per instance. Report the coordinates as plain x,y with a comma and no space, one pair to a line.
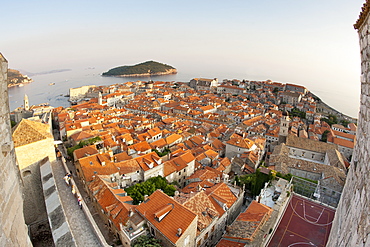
85,151
222,192
203,207
247,223
113,201
179,217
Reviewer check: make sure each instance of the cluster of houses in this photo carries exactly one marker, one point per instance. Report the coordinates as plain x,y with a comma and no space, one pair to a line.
197,135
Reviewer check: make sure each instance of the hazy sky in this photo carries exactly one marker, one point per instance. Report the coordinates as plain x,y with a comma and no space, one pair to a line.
307,42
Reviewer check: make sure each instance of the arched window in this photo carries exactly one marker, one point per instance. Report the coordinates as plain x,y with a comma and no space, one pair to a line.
26,173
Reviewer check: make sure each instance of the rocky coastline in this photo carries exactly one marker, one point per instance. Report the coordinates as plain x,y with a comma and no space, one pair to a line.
16,79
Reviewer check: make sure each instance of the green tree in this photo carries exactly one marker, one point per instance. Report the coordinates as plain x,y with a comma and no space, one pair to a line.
139,190
256,181
297,113
331,119
146,241
345,122
13,123
82,144
324,136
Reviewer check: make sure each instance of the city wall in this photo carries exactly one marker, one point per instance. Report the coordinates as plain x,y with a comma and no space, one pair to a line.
351,226
13,230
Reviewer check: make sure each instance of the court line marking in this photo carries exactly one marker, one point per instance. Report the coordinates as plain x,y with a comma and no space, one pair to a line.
304,214
286,227
314,223
309,243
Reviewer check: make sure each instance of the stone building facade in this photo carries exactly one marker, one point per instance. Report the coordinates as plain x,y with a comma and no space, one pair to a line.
33,144
351,226
13,230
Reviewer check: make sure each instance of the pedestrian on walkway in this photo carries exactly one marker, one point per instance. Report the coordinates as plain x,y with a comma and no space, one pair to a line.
79,201
73,190
66,179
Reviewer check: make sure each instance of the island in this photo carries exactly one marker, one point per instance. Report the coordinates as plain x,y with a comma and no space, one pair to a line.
149,68
15,78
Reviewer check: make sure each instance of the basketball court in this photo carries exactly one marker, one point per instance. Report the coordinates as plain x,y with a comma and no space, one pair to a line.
304,223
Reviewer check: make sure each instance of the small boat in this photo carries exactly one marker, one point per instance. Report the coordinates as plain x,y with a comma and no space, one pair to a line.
51,84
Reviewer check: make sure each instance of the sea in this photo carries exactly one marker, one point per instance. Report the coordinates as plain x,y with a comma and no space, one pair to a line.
53,88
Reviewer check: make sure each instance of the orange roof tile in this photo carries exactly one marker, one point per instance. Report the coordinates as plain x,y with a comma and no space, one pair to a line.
178,218
222,191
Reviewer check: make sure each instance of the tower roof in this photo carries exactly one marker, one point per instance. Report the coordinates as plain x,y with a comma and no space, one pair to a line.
28,131
365,11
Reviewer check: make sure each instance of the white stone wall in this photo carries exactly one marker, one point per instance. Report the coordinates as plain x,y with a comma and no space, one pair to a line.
34,152
79,92
351,226
13,230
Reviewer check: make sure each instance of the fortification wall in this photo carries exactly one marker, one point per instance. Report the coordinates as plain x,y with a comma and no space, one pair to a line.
13,230
351,225
79,92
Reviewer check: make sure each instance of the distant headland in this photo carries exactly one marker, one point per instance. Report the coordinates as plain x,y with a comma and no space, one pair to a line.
15,78
148,68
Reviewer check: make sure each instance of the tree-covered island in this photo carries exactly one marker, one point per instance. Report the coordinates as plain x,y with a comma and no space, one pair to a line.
149,68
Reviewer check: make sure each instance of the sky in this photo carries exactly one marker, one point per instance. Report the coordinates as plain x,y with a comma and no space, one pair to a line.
307,42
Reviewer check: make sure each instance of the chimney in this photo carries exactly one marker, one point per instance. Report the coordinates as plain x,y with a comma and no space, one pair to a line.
145,197
179,232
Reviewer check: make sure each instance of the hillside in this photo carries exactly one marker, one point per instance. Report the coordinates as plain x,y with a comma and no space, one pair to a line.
148,68
15,78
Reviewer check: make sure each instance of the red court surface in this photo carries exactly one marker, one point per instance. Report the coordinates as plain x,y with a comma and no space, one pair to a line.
304,223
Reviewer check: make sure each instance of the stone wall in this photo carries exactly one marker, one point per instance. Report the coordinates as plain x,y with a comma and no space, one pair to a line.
351,226
79,92
34,152
34,207
13,230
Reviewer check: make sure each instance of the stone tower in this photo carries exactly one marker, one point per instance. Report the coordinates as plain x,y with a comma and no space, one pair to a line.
26,104
284,127
13,230
100,99
351,225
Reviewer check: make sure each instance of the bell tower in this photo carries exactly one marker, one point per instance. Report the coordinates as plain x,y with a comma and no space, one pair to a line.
26,103
100,99
284,127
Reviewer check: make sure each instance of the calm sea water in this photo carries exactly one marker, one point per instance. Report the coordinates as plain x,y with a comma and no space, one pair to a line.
39,91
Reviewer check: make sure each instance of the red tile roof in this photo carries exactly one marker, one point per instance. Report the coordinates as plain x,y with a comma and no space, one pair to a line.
178,218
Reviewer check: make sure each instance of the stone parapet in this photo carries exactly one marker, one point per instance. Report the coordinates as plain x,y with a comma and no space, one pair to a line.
60,229
13,230
351,226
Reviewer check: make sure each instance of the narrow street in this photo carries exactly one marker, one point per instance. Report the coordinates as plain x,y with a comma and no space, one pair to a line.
80,226
109,237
